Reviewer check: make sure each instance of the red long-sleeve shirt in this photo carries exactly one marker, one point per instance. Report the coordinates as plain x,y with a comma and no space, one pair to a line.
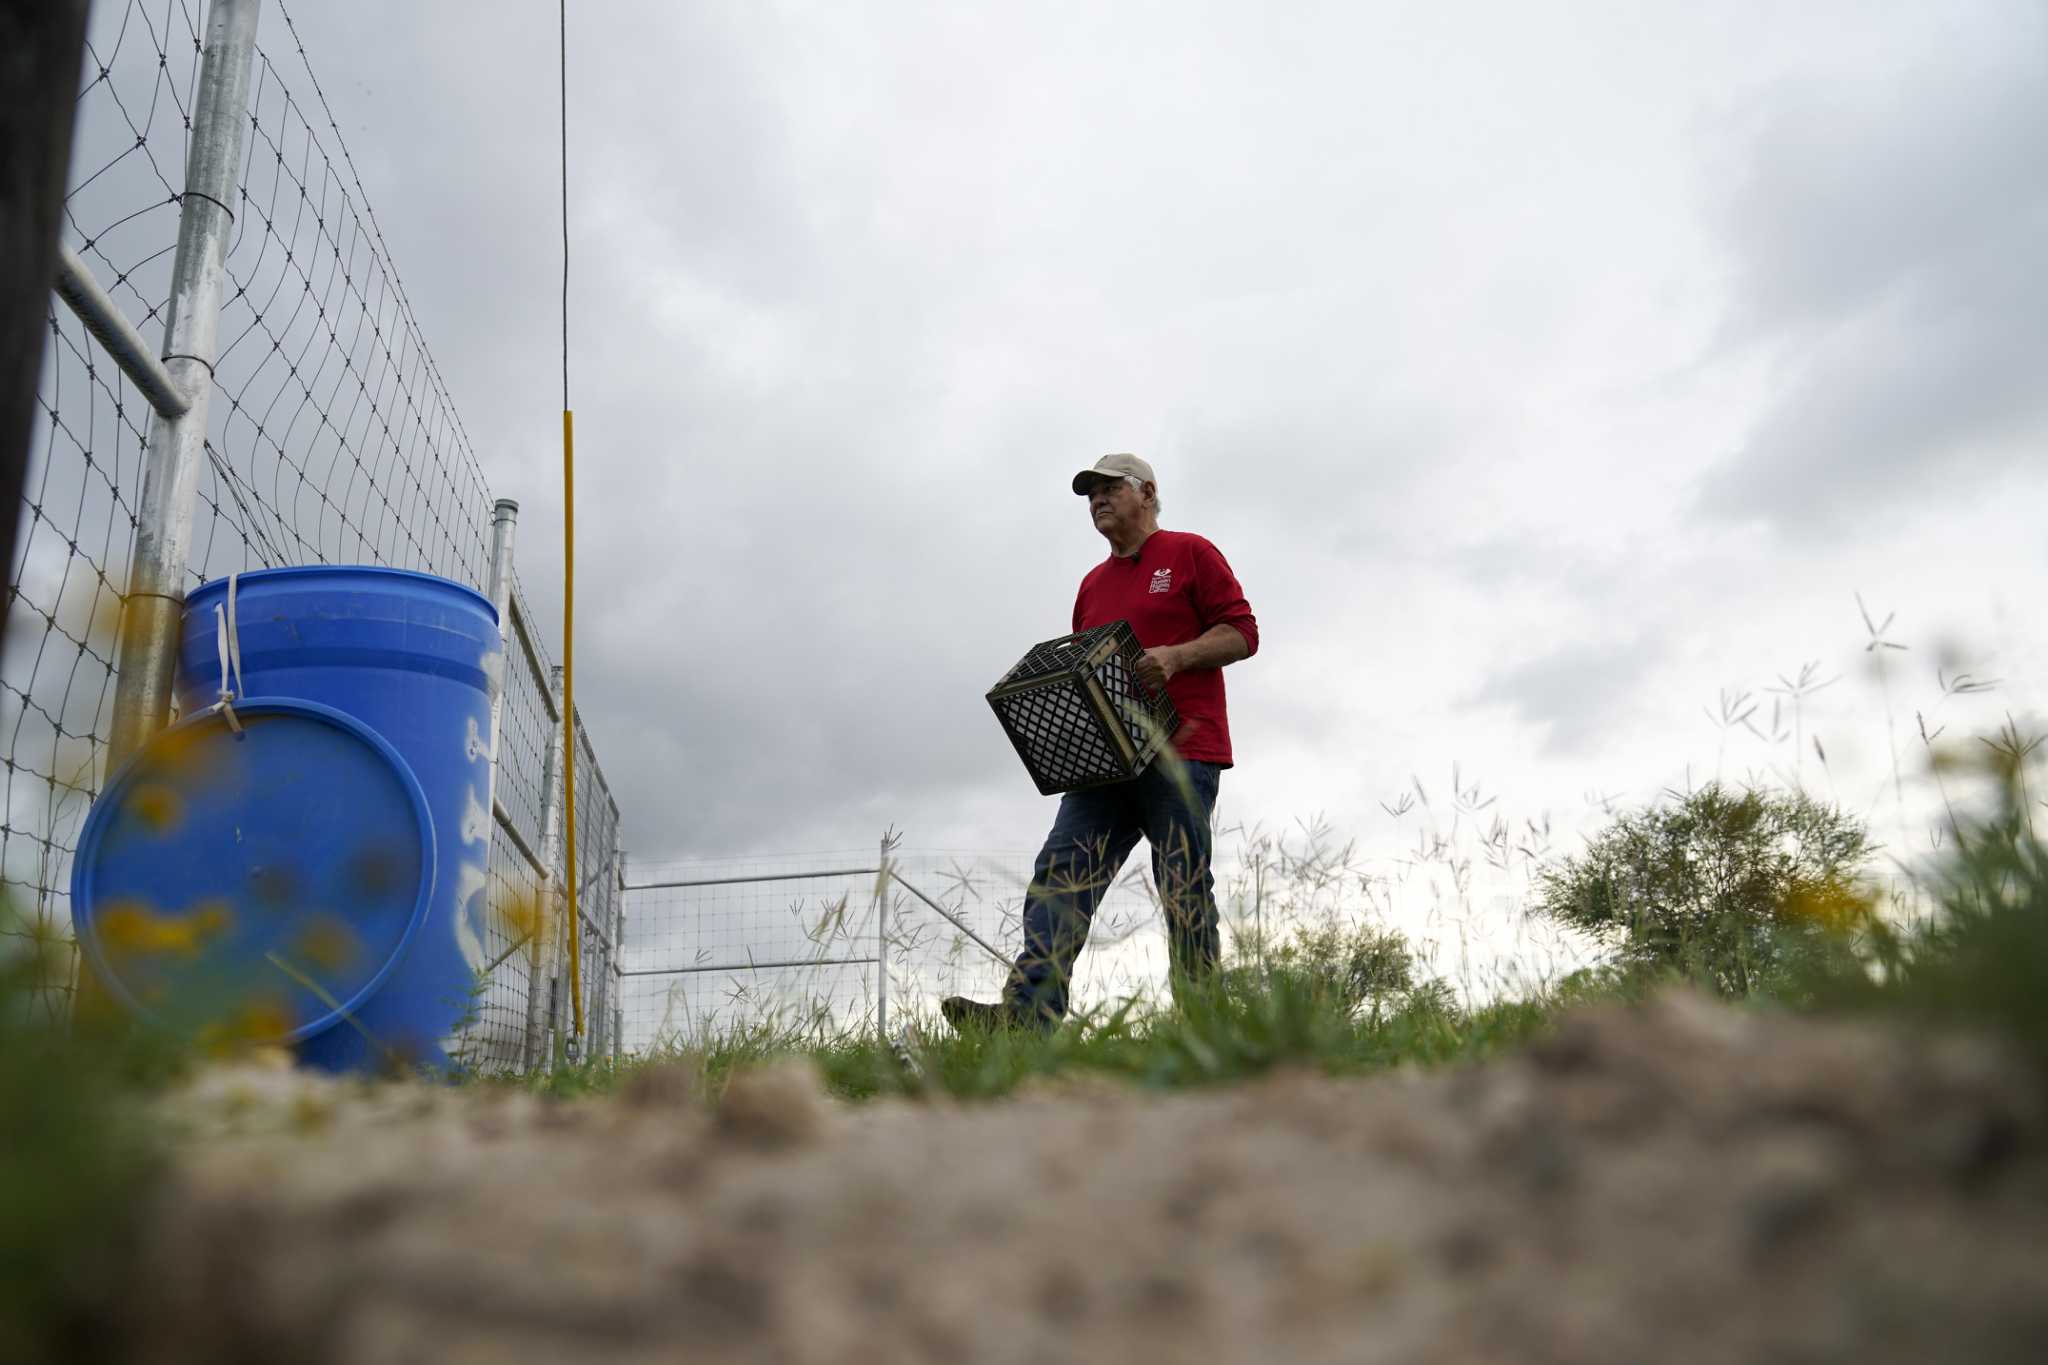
1172,591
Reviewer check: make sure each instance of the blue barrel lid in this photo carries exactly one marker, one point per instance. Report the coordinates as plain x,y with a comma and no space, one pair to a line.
259,883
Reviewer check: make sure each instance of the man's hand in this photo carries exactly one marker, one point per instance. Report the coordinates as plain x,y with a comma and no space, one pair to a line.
1213,648
1155,666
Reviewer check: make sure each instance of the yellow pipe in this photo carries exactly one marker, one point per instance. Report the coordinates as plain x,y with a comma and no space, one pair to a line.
569,701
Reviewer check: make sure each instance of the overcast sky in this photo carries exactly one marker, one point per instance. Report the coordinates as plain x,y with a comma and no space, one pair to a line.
1543,371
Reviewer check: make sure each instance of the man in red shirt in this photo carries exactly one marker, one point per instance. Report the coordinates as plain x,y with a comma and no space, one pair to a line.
1188,612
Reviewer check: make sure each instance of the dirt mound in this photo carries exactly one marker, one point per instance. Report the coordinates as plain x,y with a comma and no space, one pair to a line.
1675,1183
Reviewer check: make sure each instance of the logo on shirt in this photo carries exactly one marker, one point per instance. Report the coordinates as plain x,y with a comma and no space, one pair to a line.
1162,581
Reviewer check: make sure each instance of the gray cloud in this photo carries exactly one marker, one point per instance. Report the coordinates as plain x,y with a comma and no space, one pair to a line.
853,288
1888,241
1581,694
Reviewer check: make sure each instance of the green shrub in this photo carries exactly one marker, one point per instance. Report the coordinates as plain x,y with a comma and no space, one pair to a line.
1369,970
1741,891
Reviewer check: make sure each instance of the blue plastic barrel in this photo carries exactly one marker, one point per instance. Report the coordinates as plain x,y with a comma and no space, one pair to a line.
414,658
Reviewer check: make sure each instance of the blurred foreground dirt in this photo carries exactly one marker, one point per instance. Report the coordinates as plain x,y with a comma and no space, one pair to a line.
1675,1183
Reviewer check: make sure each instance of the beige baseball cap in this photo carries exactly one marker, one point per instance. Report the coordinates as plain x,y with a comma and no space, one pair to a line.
1114,467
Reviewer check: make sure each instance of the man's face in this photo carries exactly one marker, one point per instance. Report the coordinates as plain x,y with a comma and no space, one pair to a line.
1115,506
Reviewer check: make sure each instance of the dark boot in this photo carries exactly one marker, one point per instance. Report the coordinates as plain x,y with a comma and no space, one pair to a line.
977,1016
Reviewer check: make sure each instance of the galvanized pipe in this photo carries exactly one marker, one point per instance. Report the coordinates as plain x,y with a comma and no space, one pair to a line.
757,877
116,335
618,870
499,960
618,951
504,520
755,966
882,944
948,916
544,947
519,844
154,604
524,631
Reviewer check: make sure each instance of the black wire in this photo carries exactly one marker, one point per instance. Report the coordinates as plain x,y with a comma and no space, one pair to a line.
565,203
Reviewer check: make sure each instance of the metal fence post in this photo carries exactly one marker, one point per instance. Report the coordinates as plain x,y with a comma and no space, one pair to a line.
618,873
597,985
543,960
154,605
504,522
882,946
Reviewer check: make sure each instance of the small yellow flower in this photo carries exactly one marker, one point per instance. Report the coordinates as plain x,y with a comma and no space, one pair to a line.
210,918
157,808
1838,909
327,944
259,1020
133,929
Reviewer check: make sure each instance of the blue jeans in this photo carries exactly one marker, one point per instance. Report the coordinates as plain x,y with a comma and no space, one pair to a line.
1096,829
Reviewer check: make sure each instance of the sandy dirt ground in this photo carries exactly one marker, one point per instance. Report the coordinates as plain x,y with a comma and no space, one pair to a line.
1673,1183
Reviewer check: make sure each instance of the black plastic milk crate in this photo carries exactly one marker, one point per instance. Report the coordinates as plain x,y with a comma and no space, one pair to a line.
1078,714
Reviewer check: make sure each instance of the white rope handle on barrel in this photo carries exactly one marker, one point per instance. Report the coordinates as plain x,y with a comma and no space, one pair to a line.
228,640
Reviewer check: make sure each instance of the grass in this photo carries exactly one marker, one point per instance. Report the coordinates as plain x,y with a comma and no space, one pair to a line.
1248,1021
1347,997
1982,960
74,1165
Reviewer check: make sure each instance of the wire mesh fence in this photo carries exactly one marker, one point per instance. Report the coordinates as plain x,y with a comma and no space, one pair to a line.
821,944
57,670
495,1036
522,1012
331,437
790,943
527,727
504,1031
339,442
784,943
599,899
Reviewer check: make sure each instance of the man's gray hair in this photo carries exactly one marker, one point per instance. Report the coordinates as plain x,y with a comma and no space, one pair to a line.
1134,481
